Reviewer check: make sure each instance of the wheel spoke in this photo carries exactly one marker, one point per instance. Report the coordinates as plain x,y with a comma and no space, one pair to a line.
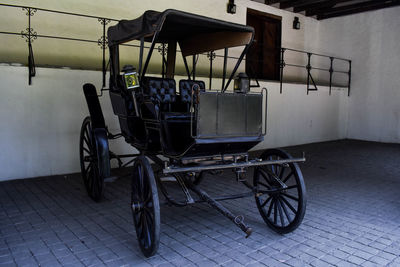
277,167
86,150
85,139
149,220
287,177
149,212
292,186
265,175
285,210
267,186
148,199
280,212
281,172
146,232
138,218
266,201
291,197
87,132
289,205
140,180
143,226
275,212
270,207
89,166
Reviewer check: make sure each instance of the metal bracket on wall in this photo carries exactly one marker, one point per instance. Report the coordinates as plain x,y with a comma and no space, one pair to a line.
330,75
162,49
282,66
309,76
349,83
103,43
30,36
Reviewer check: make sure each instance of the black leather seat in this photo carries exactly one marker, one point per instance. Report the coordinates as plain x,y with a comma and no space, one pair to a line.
185,90
160,91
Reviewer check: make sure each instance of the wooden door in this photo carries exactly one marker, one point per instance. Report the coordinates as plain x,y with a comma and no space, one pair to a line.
263,58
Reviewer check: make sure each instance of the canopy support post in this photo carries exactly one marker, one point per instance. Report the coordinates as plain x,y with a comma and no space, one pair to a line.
236,67
194,67
186,67
141,54
211,57
224,69
153,43
171,58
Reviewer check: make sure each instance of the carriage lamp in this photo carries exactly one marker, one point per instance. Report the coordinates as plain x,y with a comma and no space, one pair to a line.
296,23
242,83
231,7
130,76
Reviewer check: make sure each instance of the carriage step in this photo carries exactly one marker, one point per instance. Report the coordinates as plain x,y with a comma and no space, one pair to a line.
110,179
168,179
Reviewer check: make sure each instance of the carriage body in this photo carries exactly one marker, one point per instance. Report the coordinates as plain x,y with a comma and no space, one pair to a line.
180,119
186,130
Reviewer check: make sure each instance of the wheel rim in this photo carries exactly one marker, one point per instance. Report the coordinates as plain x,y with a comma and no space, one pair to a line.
284,208
89,162
145,209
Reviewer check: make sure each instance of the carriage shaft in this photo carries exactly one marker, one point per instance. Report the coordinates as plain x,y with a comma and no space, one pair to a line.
246,164
238,220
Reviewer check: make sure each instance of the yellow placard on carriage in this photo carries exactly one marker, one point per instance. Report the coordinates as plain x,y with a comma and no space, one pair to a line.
131,80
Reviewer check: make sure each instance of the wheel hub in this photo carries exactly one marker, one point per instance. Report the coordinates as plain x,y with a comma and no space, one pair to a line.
137,206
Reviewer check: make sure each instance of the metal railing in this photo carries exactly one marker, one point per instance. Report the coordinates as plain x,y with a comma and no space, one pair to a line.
30,34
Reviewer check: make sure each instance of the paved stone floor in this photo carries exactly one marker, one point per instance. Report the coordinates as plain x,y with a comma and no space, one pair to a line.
352,218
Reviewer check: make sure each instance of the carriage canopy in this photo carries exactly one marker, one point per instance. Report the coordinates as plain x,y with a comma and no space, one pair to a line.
194,33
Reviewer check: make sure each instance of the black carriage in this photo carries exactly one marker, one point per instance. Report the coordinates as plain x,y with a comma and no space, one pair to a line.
186,130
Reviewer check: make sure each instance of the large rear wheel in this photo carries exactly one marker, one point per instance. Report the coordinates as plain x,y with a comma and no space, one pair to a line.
92,180
145,206
281,192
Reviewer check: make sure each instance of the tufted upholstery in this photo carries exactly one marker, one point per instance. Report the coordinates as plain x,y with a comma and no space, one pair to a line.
185,89
162,90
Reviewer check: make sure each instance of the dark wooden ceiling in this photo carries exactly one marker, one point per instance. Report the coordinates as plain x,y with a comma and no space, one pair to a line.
324,9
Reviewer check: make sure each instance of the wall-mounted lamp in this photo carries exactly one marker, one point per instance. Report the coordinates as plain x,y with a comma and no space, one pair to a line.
296,23
231,7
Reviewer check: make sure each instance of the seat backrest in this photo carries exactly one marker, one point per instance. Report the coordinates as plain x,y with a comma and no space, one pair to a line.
159,89
186,87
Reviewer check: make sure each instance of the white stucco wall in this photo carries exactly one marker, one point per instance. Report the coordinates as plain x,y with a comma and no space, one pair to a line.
40,124
372,41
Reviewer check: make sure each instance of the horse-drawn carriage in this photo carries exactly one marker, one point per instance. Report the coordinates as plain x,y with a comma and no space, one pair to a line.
186,130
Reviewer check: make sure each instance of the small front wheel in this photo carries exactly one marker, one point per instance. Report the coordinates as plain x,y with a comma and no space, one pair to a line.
280,192
145,206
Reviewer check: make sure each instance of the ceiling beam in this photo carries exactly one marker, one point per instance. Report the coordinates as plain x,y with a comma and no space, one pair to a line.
270,2
355,8
287,3
320,4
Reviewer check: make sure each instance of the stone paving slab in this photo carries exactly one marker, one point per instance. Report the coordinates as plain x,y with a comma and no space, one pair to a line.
352,219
